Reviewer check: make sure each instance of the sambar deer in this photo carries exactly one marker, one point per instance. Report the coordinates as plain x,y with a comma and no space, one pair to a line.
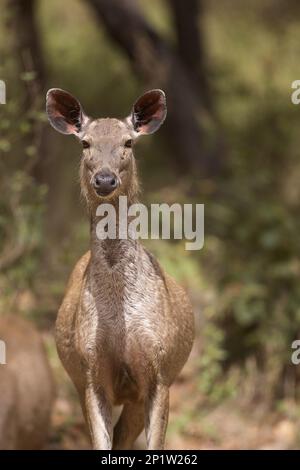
125,328
27,388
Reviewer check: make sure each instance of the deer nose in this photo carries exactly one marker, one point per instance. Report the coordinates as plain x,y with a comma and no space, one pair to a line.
105,182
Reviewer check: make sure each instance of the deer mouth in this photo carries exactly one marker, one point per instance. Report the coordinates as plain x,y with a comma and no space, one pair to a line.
105,193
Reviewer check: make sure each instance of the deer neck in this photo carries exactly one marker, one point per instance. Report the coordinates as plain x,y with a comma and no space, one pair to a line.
118,250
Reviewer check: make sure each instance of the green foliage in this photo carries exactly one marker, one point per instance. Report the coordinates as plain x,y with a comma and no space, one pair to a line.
22,202
256,212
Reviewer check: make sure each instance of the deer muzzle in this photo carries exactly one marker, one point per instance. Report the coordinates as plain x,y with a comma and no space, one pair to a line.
105,182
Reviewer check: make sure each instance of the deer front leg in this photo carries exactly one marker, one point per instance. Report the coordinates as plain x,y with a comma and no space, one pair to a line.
157,413
99,416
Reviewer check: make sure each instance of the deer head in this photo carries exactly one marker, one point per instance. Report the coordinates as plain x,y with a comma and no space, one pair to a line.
108,166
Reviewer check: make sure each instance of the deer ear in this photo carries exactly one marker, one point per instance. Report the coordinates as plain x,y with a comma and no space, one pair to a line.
149,112
64,112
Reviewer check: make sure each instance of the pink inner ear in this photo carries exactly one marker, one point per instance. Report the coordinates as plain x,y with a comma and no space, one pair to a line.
64,112
72,129
149,112
157,116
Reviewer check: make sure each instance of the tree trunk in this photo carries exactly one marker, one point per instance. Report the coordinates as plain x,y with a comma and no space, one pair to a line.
28,150
28,49
158,65
31,67
190,44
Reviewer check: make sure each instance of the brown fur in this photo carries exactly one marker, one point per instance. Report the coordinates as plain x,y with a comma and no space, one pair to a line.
125,328
26,387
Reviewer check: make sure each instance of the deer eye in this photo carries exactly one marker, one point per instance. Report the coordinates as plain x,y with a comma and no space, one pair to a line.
128,143
85,144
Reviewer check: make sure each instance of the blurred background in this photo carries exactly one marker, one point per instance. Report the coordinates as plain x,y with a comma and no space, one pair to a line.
231,141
